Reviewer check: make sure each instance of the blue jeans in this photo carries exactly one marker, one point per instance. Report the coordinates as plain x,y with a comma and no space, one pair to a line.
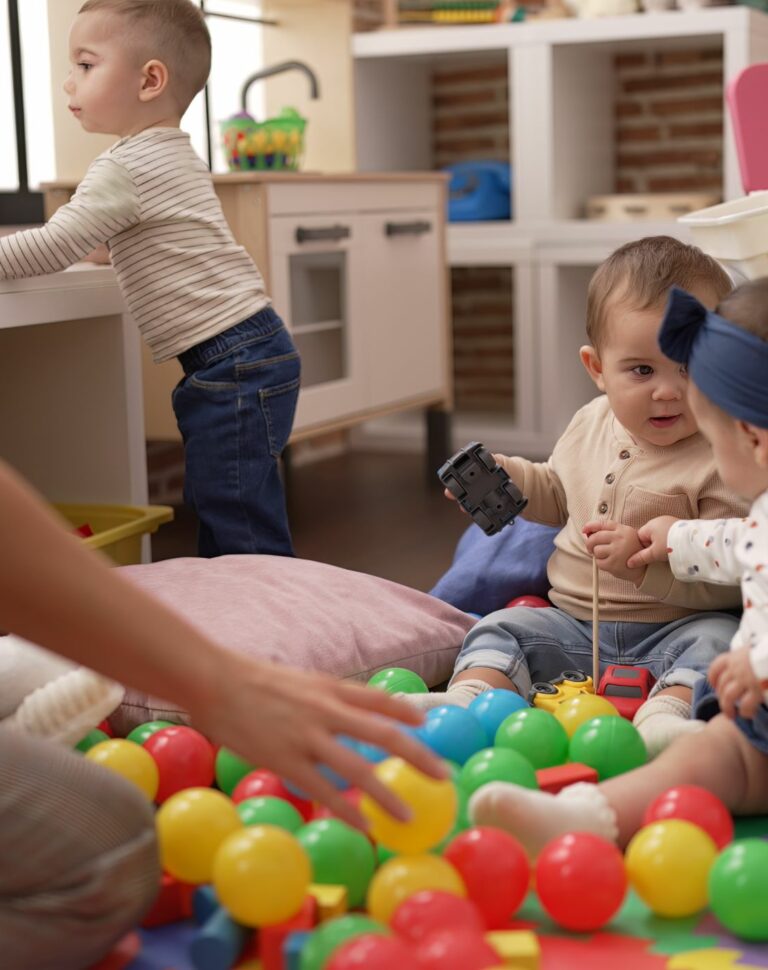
234,407
706,706
529,645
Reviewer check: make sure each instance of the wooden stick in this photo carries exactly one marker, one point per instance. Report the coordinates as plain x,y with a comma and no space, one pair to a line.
595,624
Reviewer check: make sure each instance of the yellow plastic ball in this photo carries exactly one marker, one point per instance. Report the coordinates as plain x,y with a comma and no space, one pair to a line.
261,875
575,711
191,825
668,866
433,804
403,876
129,760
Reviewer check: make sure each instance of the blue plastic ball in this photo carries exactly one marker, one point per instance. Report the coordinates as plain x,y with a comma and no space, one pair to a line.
453,733
493,707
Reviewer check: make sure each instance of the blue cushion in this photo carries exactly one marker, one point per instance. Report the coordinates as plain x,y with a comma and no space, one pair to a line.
488,571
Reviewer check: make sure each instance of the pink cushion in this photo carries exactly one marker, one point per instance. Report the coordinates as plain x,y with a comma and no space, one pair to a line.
301,613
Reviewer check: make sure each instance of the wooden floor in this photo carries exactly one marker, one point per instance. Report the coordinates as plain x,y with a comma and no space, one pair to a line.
371,512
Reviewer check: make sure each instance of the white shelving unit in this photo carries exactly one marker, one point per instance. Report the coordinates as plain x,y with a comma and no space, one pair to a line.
561,120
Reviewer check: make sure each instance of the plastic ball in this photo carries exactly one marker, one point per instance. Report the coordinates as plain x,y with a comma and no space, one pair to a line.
536,735
373,952
96,736
184,759
693,804
492,707
143,731
533,601
403,876
191,825
340,856
261,875
497,764
264,782
395,680
320,811
432,911
738,889
432,802
668,865
453,733
230,769
268,810
495,871
331,935
580,881
575,711
610,745
370,752
129,760
455,950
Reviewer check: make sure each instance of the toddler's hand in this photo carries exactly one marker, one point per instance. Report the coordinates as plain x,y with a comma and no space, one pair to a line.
613,545
738,689
653,536
99,255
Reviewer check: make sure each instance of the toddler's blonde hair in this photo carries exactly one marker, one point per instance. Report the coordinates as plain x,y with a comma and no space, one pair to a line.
171,31
640,274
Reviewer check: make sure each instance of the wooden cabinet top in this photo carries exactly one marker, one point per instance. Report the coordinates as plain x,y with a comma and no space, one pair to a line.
266,177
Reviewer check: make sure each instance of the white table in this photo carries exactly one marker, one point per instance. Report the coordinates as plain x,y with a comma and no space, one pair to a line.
71,411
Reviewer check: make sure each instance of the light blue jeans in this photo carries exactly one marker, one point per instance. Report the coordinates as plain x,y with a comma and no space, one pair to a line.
529,645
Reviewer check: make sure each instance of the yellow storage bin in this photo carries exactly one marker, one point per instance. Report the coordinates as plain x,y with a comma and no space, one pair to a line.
117,529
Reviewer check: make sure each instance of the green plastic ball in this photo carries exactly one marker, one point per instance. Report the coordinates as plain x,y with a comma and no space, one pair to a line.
330,935
96,736
398,679
610,745
268,810
230,768
497,764
535,734
340,856
140,734
738,889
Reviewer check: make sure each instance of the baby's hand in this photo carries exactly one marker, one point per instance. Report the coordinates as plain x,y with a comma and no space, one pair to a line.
738,689
100,255
653,536
613,545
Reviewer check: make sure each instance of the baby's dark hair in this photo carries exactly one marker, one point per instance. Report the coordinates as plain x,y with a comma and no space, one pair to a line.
747,307
641,274
174,32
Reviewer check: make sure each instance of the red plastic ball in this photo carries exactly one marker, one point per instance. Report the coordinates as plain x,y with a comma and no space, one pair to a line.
535,601
264,782
373,952
581,881
693,804
456,950
351,795
184,759
494,868
106,727
431,911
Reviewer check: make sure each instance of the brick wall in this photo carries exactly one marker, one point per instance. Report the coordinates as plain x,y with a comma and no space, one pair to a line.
366,15
470,113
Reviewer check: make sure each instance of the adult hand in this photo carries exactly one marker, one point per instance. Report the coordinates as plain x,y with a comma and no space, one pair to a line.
738,689
288,720
653,536
612,544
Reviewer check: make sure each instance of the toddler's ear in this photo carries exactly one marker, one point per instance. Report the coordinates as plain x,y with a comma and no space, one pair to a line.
592,364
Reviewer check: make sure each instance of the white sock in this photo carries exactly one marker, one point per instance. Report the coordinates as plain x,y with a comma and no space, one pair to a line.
537,817
662,719
461,694
66,709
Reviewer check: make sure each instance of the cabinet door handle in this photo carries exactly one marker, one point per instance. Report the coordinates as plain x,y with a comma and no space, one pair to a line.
416,228
303,234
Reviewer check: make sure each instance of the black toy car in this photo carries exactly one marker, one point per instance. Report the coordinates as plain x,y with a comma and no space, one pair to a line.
482,488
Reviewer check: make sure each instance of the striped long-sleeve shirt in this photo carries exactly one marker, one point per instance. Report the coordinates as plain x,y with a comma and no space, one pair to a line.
150,198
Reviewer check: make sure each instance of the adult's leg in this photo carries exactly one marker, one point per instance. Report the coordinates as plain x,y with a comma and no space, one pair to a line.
80,865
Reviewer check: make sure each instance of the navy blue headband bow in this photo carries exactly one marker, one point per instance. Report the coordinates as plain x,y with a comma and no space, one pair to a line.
726,363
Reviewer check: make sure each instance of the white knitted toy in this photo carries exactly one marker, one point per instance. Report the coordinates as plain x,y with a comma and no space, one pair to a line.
47,697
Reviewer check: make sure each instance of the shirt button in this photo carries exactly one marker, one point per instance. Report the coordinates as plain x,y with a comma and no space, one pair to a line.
602,508
610,478
624,454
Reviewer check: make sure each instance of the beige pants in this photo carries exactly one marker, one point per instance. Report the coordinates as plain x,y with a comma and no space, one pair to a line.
78,858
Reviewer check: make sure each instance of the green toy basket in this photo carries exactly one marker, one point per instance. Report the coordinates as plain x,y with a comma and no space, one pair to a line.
275,145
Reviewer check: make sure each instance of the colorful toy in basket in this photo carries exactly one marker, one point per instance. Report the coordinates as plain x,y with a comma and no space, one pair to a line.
276,144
